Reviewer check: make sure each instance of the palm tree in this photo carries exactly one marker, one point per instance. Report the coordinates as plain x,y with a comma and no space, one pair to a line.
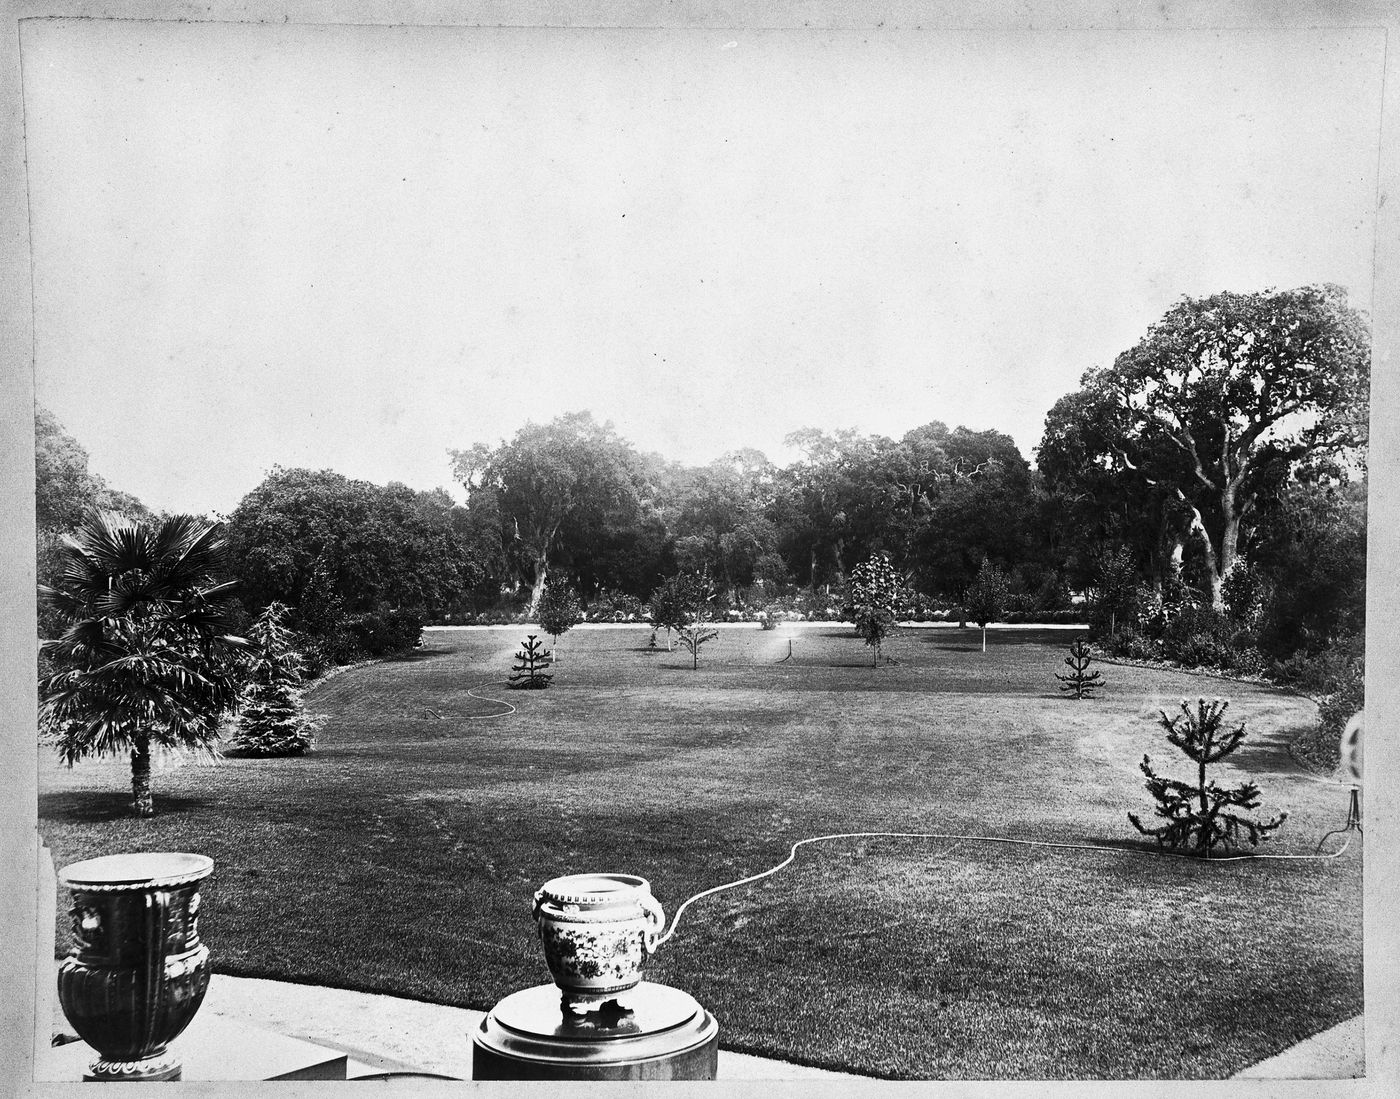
146,658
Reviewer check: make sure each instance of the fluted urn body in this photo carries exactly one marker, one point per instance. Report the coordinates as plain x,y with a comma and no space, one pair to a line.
598,930
137,971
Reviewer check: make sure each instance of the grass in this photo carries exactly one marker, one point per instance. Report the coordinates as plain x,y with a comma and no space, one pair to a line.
402,854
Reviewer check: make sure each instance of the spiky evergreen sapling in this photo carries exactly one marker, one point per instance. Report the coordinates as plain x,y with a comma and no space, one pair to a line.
1080,682
530,664
1199,816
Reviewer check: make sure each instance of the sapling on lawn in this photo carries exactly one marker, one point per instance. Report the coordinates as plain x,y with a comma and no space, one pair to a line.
1199,816
985,600
1080,682
530,664
695,594
875,596
558,611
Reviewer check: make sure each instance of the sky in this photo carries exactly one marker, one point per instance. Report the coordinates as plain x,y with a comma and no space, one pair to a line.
358,247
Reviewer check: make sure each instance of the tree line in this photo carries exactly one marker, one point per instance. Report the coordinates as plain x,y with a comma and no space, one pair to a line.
1212,475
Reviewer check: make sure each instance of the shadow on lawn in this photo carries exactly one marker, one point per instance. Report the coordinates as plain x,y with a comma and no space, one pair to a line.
101,806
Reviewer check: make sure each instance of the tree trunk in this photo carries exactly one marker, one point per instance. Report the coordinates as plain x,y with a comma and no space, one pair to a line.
1213,572
1229,547
537,589
984,638
142,801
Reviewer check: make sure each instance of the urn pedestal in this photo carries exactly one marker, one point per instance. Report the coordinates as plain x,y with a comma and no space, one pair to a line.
137,971
599,1020
660,1034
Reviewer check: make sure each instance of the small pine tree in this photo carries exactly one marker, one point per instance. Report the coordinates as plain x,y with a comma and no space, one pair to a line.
985,600
273,721
558,611
530,664
876,592
1080,682
1199,816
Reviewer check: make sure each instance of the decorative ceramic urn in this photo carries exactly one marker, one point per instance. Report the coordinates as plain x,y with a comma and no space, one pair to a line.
598,931
137,972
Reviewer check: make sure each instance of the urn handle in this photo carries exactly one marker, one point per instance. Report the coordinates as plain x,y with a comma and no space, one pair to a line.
538,904
656,920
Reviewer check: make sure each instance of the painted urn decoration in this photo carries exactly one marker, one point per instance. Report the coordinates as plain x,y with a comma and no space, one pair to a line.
598,930
137,971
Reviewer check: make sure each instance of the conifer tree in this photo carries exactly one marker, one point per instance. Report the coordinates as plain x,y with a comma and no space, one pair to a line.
1080,682
273,721
1199,816
530,664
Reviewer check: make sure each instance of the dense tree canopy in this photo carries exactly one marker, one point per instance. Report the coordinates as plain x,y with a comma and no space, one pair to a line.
571,484
1215,407
314,538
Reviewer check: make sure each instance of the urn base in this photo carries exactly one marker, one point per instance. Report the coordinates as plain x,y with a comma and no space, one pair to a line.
652,1032
160,1067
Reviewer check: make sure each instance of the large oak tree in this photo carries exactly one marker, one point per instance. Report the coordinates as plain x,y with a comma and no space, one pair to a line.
1222,399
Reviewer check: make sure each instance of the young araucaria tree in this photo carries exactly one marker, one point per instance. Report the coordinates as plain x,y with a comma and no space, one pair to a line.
1080,682
530,664
876,594
559,610
273,721
1201,816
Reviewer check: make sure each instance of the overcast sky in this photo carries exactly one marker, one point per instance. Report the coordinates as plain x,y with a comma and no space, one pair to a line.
356,248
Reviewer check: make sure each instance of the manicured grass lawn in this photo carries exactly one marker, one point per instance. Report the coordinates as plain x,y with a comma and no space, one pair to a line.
402,855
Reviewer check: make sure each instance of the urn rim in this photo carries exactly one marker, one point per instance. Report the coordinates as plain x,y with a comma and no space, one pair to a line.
136,870
594,888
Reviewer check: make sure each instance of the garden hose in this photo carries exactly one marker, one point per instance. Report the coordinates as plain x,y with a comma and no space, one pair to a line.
509,709
983,839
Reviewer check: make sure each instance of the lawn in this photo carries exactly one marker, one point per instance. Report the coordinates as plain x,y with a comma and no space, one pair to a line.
402,854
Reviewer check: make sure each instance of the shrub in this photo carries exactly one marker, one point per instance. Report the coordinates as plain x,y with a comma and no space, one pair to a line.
386,632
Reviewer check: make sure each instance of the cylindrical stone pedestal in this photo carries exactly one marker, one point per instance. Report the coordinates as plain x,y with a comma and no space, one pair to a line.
662,1034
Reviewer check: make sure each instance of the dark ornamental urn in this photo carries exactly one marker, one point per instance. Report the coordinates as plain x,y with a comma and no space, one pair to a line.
137,972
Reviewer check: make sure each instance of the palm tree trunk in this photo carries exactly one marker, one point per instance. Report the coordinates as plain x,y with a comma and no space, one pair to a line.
142,801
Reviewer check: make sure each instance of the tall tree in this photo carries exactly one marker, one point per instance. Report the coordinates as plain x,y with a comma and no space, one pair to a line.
146,659
555,486
1225,395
